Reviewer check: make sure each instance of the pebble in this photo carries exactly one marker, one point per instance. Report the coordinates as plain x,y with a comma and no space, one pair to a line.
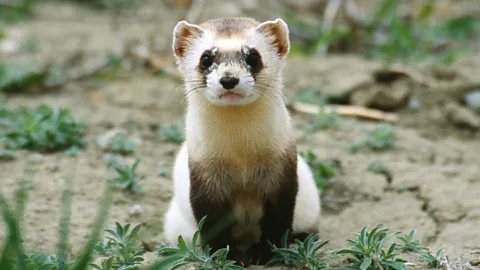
136,210
414,104
461,116
472,99
475,262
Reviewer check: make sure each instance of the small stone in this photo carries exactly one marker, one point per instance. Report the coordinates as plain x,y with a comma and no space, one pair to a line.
414,104
475,262
461,116
472,99
136,210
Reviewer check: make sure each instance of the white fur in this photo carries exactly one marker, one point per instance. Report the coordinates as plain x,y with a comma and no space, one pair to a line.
179,219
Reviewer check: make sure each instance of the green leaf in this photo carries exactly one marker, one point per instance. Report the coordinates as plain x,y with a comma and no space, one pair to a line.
366,263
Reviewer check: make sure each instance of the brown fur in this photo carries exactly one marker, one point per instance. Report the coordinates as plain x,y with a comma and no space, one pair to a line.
259,200
228,27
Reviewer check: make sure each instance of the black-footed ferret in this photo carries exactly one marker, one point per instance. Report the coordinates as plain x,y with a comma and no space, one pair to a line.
239,157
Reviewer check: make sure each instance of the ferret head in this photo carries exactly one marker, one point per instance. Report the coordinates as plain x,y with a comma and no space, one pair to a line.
231,61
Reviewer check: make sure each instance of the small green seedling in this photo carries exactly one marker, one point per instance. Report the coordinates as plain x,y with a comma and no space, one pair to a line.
127,176
369,251
121,247
378,167
323,120
322,170
193,254
42,129
433,259
120,144
304,256
6,154
38,260
382,137
171,133
409,243
163,171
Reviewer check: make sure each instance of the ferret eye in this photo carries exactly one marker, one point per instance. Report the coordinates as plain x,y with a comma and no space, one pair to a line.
254,61
206,61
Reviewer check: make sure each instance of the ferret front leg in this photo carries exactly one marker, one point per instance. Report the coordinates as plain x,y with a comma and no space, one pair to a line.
216,231
278,217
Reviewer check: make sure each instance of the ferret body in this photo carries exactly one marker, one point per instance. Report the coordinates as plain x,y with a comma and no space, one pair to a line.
239,162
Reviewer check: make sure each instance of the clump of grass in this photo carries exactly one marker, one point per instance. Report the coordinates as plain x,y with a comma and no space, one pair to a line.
322,170
13,255
6,154
382,137
379,167
192,253
369,252
409,243
42,129
171,133
39,260
127,176
304,256
323,120
313,95
121,248
433,259
120,144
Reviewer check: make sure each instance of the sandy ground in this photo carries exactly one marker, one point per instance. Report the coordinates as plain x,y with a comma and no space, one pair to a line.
435,166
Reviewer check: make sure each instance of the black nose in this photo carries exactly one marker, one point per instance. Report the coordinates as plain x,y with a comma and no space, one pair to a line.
229,82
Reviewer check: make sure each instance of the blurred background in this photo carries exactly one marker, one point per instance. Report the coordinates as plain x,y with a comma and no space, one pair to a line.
385,97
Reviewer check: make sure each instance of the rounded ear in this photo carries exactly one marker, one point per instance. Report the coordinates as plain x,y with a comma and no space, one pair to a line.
183,33
277,33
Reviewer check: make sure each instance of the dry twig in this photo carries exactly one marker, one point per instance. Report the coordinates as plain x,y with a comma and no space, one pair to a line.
346,110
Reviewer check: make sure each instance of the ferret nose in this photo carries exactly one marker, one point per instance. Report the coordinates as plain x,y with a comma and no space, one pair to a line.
229,82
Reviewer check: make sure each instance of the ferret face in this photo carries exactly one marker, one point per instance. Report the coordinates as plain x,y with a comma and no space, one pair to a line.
231,61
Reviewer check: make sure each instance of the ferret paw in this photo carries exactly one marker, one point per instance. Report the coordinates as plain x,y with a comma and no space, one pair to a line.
240,257
260,254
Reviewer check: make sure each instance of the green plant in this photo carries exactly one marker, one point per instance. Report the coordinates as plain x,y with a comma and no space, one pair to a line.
171,133
39,261
13,255
304,256
106,264
382,137
323,120
6,154
120,246
120,144
192,254
369,251
433,259
163,171
313,95
14,11
378,167
409,243
127,176
322,170
42,129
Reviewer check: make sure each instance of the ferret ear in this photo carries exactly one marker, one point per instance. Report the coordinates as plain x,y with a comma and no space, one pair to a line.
277,32
183,33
